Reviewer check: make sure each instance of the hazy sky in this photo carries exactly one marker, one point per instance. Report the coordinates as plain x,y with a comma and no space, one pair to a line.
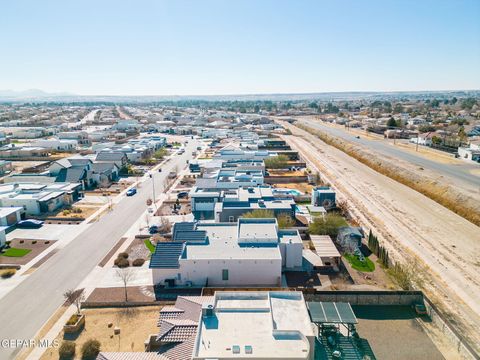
237,47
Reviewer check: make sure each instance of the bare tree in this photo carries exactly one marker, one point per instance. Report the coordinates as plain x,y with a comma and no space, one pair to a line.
126,275
75,297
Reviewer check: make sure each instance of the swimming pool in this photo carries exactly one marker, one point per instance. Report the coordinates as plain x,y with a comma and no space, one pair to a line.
293,192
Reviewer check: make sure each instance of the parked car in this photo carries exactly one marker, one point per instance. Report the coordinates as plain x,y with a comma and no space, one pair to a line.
182,195
131,192
153,229
30,224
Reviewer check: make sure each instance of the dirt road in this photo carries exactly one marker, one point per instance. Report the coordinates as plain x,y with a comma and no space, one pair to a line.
415,229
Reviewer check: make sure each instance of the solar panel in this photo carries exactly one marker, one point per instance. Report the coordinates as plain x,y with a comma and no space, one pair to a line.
331,312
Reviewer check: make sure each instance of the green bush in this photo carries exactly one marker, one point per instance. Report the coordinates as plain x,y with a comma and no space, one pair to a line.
90,349
327,225
122,262
8,273
67,350
138,262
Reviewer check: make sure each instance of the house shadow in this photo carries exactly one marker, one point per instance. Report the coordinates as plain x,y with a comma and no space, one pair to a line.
384,312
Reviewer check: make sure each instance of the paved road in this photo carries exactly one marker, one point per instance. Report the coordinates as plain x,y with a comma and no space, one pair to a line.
24,310
460,171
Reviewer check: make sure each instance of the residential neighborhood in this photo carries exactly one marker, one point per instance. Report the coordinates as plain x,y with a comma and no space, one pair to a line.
221,180
215,216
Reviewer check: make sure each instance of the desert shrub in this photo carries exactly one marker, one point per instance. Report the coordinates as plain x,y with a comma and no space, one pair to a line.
66,212
22,241
90,349
66,350
276,162
123,255
34,242
8,273
122,262
138,262
285,221
259,214
77,210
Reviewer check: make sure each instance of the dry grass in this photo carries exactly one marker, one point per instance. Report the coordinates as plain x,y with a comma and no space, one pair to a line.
135,324
446,196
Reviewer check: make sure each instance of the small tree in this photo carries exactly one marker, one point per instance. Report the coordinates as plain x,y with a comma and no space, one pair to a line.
66,350
276,162
125,275
75,297
285,221
90,349
327,225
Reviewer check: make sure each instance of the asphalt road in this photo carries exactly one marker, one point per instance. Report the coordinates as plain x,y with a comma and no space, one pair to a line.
460,171
25,309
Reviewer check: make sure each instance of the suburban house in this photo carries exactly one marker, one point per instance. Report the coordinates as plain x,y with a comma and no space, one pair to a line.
230,178
117,157
228,205
423,139
249,252
254,325
81,137
104,173
56,144
37,198
129,125
11,151
10,215
471,153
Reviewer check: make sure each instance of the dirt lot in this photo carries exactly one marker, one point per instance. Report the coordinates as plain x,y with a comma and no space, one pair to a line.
303,187
37,248
117,294
137,250
442,245
394,333
166,208
136,324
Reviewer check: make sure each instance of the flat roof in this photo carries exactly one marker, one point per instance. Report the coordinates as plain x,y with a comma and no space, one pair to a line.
255,324
5,211
223,244
331,313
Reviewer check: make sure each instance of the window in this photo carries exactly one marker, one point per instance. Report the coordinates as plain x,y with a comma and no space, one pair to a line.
231,219
225,274
179,276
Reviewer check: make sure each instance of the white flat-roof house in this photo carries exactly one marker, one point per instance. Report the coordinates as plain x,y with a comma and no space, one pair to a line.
248,252
37,198
231,325
255,325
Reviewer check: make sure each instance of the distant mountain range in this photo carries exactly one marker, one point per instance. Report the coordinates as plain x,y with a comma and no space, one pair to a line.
36,95
30,93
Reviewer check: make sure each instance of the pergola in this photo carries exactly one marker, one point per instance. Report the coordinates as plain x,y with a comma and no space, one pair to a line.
328,314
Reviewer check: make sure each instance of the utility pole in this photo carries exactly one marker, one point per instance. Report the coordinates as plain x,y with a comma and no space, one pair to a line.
153,189
416,146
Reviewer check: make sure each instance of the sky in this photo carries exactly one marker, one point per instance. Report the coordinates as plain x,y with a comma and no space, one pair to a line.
179,47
